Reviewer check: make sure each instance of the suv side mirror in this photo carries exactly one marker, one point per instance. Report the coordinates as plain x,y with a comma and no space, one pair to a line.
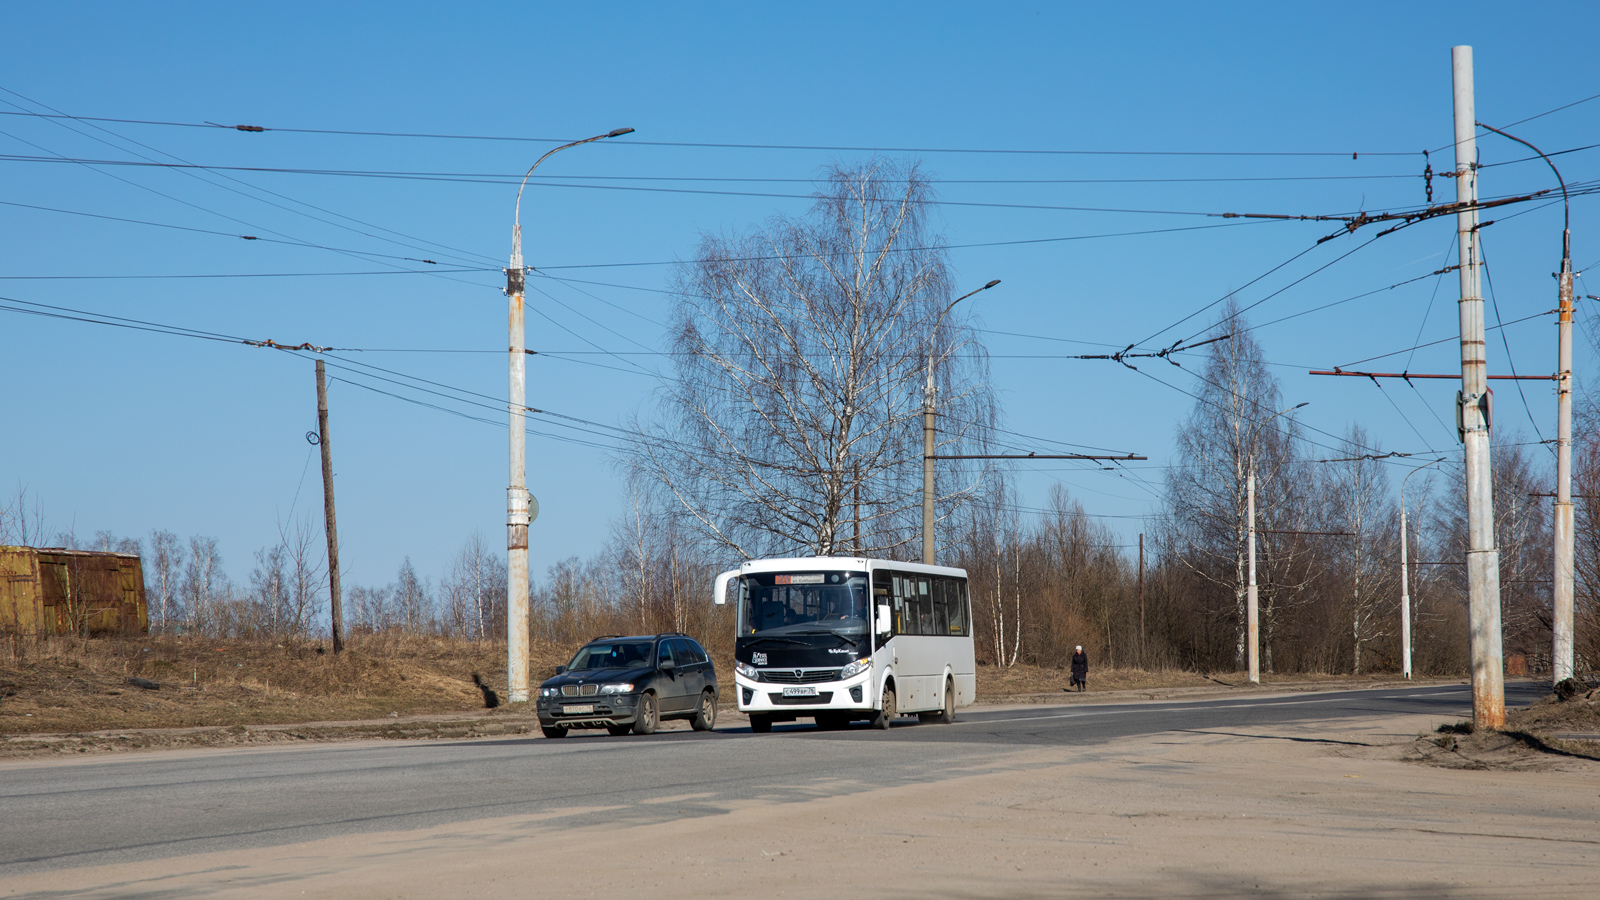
561,670
667,665
884,624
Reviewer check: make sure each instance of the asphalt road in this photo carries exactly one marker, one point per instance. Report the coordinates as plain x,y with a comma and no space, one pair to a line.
148,806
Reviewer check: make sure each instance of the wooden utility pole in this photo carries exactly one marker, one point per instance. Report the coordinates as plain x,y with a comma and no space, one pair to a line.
1141,599
327,510
1483,559
855,487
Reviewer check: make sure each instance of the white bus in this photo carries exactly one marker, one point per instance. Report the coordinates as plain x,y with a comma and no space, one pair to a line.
837,639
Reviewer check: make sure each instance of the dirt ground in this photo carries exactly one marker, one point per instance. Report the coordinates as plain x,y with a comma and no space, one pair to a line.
69,686
1332,809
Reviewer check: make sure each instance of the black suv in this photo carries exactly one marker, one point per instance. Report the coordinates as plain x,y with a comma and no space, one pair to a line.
627,684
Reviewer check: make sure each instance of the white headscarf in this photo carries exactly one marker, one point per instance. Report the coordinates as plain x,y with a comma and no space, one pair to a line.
1080,648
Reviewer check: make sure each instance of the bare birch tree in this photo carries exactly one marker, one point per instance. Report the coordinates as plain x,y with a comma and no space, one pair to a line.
793,423
203,582
1225,438
164,574
1359,502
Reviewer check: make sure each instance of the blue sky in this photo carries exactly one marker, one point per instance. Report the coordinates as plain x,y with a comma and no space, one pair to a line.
125,430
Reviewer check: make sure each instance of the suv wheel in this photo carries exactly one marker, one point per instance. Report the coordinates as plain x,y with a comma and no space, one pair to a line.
554,731
646,721
705,716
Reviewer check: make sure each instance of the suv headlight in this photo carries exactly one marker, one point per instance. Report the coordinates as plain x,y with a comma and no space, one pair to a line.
747,671
549,692
855,668
616,688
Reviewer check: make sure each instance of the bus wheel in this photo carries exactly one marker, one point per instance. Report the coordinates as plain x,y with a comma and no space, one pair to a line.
948,714
886,712
760,724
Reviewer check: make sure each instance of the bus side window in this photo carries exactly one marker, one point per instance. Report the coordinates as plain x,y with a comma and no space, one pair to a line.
958,608
941,605
925,605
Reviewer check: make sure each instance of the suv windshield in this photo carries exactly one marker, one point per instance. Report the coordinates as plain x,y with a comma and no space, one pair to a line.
803,603
619,655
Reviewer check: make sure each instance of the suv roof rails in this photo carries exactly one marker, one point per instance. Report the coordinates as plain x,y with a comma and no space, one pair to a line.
670,634
605,636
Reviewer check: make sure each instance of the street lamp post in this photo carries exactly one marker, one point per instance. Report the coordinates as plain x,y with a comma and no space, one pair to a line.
927,431
517,498
1405,578
1252,608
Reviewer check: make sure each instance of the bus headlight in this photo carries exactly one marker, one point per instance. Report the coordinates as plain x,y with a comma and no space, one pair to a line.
855,668
616,688
747,671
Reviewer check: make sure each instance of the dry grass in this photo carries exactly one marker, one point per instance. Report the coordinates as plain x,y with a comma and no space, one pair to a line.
1029,683
68,685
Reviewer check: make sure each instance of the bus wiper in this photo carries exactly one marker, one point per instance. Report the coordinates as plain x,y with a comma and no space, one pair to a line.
781,640
830,632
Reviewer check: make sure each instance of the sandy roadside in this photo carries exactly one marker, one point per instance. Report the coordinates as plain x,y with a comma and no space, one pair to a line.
1323,810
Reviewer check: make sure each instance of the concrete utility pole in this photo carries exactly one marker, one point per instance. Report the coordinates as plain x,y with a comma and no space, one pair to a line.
1252,606
1561,656
1405,577
334,605
927,431
518,501
1483,559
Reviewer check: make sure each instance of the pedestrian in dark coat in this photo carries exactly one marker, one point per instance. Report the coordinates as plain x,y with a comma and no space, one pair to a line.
1080,669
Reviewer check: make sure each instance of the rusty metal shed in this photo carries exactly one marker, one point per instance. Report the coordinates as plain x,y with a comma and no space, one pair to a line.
52,590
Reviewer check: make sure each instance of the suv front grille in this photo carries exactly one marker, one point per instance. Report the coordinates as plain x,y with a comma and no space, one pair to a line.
799,676
571,690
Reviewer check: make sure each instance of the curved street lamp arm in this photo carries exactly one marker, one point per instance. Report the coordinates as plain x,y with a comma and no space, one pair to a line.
1566,221
940,321
516,227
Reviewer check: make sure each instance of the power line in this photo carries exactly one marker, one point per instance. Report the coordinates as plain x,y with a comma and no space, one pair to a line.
228,234
1439,341
230,275
188,164
708,145
187,167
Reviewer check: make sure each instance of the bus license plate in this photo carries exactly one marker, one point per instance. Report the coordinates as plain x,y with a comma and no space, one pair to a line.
799,692
585,710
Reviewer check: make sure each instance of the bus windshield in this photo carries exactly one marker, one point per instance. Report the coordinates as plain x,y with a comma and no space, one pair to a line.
803,603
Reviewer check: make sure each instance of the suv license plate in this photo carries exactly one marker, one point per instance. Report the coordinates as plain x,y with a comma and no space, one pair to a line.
799,692
585,710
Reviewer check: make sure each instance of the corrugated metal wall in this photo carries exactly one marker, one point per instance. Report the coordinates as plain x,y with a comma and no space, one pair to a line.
56,591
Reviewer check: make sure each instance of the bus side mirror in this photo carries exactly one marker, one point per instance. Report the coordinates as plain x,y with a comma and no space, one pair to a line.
885,624
719,593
